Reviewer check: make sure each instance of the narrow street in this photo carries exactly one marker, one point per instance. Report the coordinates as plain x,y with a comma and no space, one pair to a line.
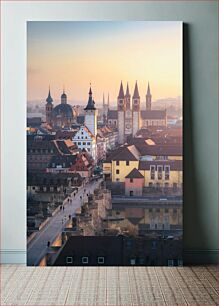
37,248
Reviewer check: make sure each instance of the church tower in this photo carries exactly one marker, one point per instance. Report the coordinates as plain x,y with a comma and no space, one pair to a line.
49,108
91,115
148,98
63,97
128,112
135,111
121,114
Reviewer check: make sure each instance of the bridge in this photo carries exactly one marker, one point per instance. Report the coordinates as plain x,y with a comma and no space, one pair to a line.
37,247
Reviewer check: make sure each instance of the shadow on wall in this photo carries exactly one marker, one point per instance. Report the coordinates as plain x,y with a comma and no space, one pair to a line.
192,227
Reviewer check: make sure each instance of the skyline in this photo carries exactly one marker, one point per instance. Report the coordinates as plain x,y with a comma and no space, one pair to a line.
75,54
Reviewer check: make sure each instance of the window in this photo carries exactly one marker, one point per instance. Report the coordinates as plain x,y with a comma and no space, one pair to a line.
166,185
117,171
84,260
131,180
152,170
174,185
131,193
150,210
100,260
69,260
132,261
141,261
82,133
159,172
117,163
170,263
127,163
84,143
150,184
79,143
117,180
167,172
166,210
158,210
88,143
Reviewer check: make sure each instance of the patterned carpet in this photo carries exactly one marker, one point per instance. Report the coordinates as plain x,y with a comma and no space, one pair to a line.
109,286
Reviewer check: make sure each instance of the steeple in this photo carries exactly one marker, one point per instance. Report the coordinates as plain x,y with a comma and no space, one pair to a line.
127,98
136,93
63,97
49,108
148,90
90,103
148,98
91,115
127,91
121,92
49,98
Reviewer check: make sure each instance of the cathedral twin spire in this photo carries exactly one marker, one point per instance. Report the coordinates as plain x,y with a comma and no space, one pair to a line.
136,91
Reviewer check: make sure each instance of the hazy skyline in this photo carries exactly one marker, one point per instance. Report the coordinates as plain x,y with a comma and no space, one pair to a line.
75,54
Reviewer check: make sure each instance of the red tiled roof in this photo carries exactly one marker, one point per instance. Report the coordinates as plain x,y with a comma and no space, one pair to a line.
135,174
153,114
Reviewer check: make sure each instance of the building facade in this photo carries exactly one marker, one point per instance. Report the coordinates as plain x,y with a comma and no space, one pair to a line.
129,117
60,116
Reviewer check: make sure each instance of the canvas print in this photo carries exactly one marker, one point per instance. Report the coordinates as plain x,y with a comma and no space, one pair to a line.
104,143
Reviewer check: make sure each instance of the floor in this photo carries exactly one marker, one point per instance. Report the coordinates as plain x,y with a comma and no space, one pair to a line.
79,286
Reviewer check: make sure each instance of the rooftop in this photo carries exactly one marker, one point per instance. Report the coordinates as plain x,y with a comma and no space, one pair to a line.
135,174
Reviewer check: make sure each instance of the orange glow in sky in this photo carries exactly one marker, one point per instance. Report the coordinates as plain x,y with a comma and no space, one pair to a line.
73,54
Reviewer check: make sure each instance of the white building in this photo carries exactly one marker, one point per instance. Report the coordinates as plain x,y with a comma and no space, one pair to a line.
84,139
86,136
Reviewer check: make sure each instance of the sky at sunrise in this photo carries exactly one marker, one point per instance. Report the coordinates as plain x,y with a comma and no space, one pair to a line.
75,54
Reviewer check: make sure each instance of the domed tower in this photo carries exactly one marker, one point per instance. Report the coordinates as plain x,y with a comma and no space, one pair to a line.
49,108
148,98
135,110
121,114
91,115
63,98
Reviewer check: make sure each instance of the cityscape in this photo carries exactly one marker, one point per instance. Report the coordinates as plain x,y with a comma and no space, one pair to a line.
105,178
